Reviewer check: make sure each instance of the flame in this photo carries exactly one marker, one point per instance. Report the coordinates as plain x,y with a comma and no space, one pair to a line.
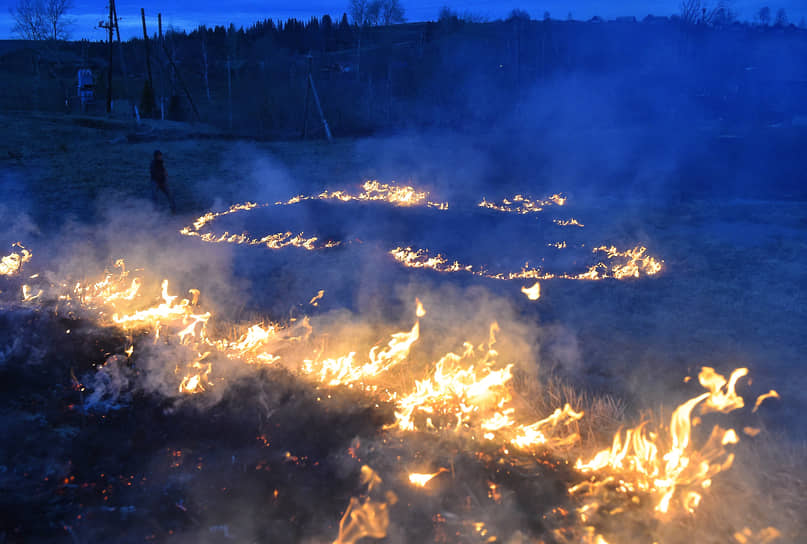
763,536
568,222
468,392
12,263
634,263
28,294
620,265
372,191
522,205
316,298
346,370
534,292
660,463
769,395
278,240
421,479
195,382
366,517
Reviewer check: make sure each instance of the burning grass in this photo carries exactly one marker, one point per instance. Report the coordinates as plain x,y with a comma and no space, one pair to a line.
501,467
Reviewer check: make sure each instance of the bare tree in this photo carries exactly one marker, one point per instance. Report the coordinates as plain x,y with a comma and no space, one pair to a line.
359,11
392,12
690,11
518,15
764,16
42,19
705,13
56,18
781,17
29,20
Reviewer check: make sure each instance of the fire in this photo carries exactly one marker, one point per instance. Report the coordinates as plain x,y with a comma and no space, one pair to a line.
346,370
616,263
522,205
568,222
534,292
664,462
764,536
28,294
366,517
372,190
631,263
12,263
316,298
636,262
195,383
542,432
272,241
421,479
769,395
468,392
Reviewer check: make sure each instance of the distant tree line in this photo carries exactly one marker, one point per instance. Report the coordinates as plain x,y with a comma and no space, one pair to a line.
455,71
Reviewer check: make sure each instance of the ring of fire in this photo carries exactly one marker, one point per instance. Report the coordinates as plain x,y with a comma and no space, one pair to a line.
612,263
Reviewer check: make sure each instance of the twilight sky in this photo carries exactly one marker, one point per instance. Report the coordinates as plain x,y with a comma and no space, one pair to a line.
189,14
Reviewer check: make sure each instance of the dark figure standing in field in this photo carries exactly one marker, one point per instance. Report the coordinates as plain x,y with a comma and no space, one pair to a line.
159,180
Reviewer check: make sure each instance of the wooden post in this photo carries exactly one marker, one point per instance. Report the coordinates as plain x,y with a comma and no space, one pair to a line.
319,107
182,82
109,69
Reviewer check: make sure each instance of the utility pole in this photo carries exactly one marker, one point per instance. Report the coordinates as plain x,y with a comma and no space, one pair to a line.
150,82
120,52
229,94
307,93
161,43
109,26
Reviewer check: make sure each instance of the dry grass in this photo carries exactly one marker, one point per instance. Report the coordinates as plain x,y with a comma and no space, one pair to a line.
604,414
766,487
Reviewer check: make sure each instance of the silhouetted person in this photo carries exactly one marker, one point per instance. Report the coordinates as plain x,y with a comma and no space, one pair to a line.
159,180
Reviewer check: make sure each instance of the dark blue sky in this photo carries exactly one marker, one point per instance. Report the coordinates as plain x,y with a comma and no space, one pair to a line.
189,14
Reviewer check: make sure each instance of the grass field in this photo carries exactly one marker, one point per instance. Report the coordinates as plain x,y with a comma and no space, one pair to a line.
732,292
